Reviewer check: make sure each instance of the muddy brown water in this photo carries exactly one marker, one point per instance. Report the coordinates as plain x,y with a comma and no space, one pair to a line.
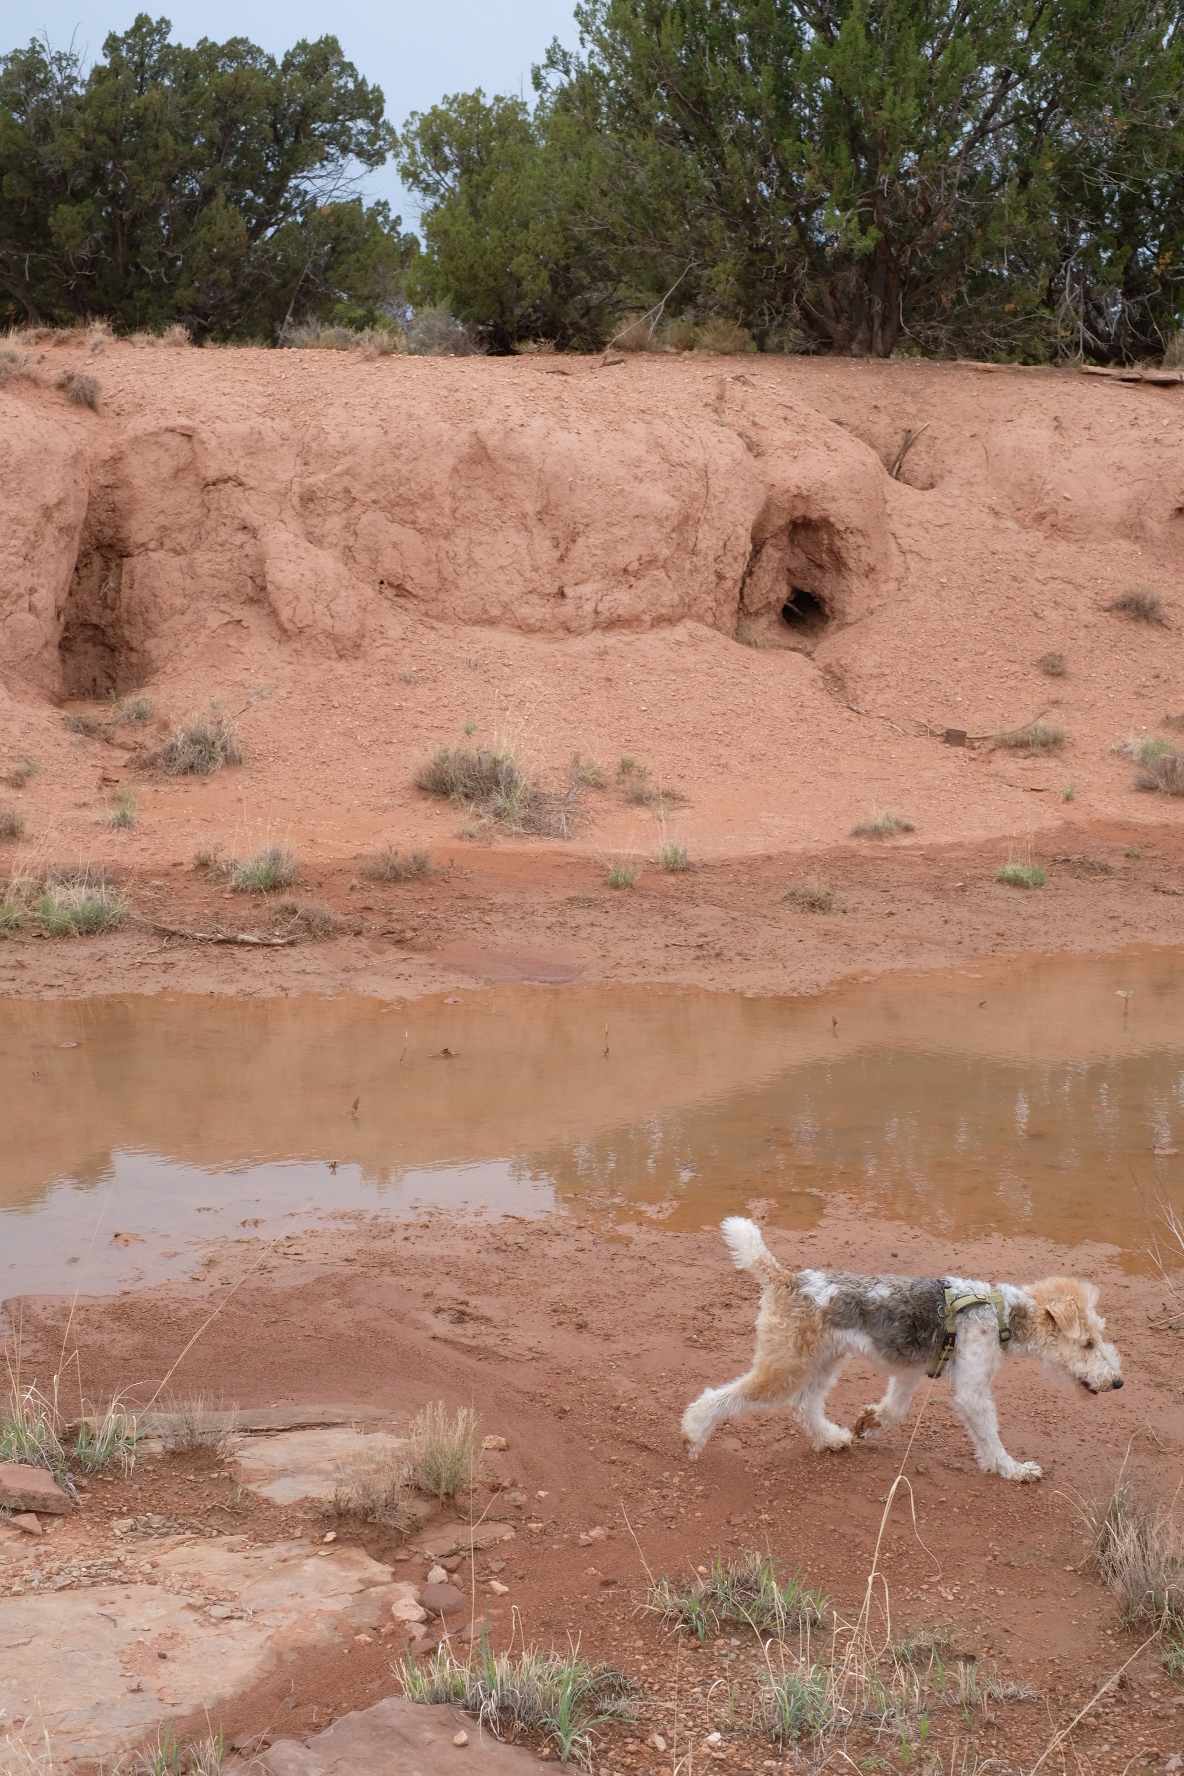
1041,1100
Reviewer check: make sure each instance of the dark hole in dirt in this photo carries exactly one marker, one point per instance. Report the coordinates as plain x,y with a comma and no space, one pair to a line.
805,612
96,658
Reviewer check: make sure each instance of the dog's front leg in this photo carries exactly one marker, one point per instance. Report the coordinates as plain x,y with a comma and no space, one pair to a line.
974,1366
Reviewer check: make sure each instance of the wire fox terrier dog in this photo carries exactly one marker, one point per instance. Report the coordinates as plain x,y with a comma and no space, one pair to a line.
811,1321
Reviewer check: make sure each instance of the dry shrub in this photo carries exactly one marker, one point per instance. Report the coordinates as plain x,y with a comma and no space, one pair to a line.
373,1487
1038,736
434,333
1162,771
1141,606
199,747
368,342
194,1421
443,1449
79,388
1173,351
490,782
682,334
1053,665
725,337
1138,1549
15,367
635,333
812,897
12,826
309,918
392,865
882,826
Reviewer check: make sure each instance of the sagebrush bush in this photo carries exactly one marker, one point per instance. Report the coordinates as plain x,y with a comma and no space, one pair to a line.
725,337
1162,771
434,333
392,865
79,388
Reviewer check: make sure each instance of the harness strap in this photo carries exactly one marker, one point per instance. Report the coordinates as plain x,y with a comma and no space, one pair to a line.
957,1304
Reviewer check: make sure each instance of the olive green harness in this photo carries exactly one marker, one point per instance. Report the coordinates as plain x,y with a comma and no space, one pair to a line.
956,1304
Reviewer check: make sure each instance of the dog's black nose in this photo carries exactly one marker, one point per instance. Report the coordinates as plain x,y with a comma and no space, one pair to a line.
1117,1382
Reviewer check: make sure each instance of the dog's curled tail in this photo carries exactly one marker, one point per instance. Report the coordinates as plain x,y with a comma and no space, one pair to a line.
749,1251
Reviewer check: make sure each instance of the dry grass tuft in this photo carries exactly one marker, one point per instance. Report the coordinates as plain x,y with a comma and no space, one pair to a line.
812,897
79,388
12,826
265,872
724,337
123,812
21,772
194,1421
1141,606
1162,771
1053,665
393,865
882,826
374,1488
199,747
443,1448
308,918
80,907
674,860
1037,737
367,342
621,875
1138,1549
1173,351
15,366
489,782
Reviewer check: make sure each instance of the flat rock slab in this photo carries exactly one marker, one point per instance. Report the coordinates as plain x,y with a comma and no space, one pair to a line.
222,1421
397,1738
102,1666
308,1464
25,1488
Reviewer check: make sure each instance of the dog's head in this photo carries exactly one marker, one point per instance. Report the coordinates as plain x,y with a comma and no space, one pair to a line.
1069,1331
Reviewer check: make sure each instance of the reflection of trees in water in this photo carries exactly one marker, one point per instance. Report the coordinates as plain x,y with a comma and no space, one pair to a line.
950,1140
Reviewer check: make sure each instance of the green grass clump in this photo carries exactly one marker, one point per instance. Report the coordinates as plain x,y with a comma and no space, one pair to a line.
105,1441
442,1450
267,870
12,826
882,826
79,906
393,865
797,1704
1037,737
198,748
674,859
744,1591
621,875
557,1695
1021,875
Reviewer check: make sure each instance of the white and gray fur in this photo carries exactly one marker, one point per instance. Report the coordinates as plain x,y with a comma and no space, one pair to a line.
811,1321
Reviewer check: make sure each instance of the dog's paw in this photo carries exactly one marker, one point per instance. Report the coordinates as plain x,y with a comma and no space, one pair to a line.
693,1451
1022,1471
868,1421
833,1437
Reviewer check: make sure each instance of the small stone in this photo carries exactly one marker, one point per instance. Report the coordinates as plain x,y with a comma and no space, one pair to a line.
715,1738
331,1537
364,1639
28,1522
498,1589
221,1612
437,1575
441,1600
406,1606
534,1526
461,1738
588,1536
495,1444
657,1741
25,1488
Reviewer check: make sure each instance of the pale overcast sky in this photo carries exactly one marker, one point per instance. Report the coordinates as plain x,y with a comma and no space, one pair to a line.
417,50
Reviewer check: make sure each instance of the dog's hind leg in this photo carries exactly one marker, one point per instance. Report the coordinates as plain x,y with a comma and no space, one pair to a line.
763,1387
809,1402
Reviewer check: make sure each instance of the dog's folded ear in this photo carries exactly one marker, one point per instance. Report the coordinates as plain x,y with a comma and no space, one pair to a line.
1065,1313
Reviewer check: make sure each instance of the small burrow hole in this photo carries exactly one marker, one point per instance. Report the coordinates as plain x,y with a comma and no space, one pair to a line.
805,612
